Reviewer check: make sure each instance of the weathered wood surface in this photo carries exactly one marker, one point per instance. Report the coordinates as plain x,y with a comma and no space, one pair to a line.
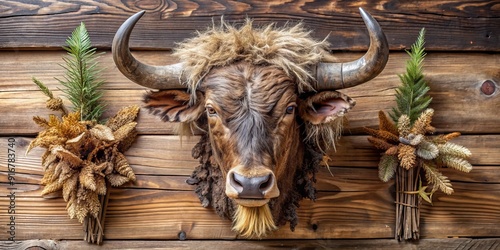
382,244
451,25
455,82
352,202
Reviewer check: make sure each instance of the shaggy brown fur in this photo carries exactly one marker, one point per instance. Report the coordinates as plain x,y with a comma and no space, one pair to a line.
250,90
250,77
210,184
291,49
210,181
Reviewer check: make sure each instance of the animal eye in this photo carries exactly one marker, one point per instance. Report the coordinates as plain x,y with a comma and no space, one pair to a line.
211,110
290,109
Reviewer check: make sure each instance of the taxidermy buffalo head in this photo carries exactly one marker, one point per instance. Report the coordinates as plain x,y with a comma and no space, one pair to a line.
266,101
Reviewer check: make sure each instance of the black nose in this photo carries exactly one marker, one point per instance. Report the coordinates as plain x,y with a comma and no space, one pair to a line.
251,187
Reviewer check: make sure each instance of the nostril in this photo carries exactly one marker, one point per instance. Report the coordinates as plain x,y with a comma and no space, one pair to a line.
235,183
266,184
255,187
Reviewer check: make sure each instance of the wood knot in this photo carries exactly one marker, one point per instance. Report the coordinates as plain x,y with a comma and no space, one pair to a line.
150,5
182,235
488,87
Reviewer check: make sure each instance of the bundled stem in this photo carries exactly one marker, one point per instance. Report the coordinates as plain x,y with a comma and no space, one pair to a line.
94,227
407,205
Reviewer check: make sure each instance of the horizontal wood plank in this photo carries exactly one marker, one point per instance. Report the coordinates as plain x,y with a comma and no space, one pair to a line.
167,155
163,162
423,244
159,214
454,80
156,214
352,203
356,151
451,25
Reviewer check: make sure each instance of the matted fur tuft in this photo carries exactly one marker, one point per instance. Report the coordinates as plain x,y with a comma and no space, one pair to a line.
290,48
253,222
325,135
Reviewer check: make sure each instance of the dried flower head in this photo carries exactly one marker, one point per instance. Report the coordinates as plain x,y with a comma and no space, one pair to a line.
81,156
413,148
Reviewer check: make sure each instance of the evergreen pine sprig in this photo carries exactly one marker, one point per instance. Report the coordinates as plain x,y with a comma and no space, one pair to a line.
82,73
411,98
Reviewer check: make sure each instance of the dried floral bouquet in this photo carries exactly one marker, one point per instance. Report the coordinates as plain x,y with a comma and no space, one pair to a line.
410,153
83,157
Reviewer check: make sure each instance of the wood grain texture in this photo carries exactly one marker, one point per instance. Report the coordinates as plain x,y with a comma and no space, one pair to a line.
452,25
155,214
167,155
352,202
424,244
135,213
454,80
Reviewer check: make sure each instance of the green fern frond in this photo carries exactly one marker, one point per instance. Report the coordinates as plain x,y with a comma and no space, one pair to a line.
411,98
81,81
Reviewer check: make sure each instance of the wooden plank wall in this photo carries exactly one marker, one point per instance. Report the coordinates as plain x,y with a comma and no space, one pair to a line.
463,41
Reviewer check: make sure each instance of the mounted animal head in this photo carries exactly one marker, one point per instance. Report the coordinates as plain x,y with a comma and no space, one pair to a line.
267,100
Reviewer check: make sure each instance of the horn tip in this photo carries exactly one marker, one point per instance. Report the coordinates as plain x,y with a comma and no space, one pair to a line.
138,15
365,15
363,12
135,17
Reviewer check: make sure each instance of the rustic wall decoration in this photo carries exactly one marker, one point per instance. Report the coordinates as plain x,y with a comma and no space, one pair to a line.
83,158
266,100
410,153
353,207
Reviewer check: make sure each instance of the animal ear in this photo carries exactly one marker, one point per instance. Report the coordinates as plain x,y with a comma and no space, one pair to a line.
174,105
325,107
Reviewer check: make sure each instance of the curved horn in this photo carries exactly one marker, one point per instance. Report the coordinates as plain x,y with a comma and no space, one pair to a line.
155,77
349,74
